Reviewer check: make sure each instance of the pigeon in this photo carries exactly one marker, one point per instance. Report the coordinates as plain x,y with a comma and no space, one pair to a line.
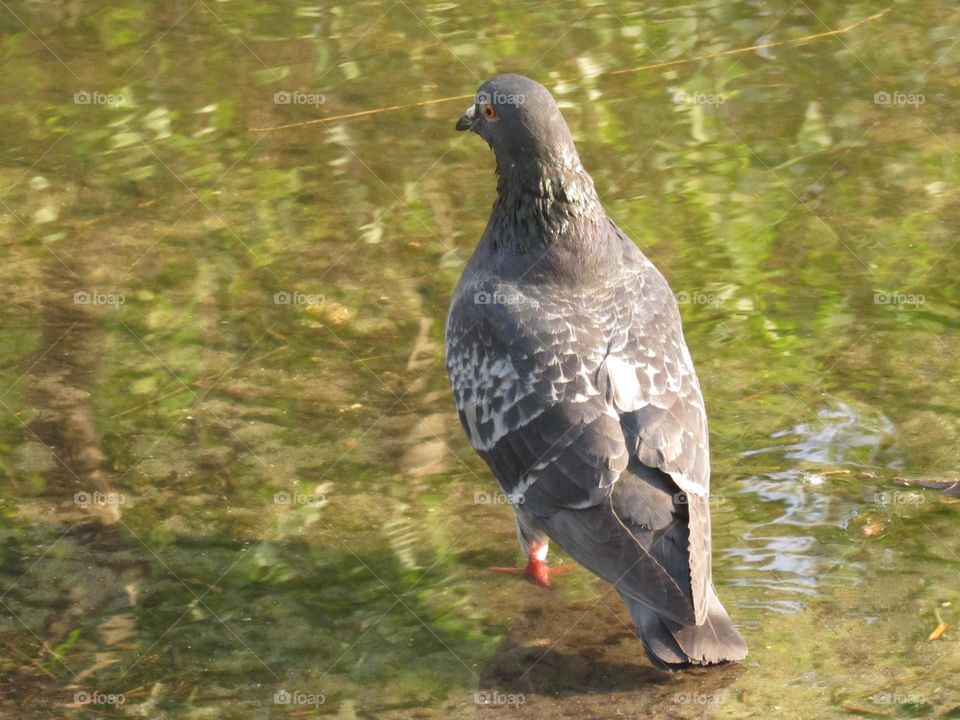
572,381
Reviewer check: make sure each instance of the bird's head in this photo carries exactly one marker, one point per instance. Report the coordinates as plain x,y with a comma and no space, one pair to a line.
521,122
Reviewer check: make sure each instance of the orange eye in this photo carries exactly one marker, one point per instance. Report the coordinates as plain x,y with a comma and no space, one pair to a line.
490,111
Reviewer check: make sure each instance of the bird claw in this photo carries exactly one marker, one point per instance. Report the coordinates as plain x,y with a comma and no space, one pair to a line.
536,571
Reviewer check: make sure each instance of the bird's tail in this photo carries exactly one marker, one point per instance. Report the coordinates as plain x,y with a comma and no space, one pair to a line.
671,646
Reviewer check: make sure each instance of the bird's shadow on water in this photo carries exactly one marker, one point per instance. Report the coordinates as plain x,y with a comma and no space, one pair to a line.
518,668
565,651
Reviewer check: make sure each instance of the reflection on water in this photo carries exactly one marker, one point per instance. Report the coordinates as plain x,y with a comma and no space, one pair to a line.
784,555
840,431
787,562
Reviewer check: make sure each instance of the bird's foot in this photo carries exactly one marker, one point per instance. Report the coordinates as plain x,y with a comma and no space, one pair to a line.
536,571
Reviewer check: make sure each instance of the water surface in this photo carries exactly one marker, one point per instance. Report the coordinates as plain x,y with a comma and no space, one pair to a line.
234,482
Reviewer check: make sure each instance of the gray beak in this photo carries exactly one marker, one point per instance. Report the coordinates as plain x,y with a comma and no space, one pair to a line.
468,120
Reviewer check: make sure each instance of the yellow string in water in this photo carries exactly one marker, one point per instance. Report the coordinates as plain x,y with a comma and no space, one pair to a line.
639,68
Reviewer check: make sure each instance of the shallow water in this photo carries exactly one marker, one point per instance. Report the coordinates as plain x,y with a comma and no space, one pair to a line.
232,468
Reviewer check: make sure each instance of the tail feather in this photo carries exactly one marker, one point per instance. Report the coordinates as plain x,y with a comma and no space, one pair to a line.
670,645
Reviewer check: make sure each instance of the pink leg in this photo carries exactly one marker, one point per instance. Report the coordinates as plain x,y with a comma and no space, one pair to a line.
537,571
